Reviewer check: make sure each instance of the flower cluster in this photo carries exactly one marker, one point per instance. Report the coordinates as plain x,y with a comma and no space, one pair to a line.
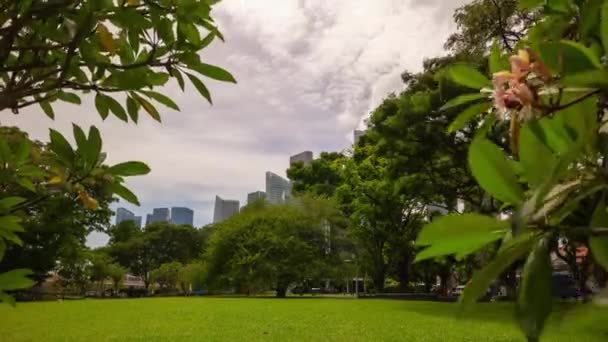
515,91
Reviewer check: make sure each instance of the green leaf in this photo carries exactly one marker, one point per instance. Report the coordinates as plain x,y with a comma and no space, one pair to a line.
95,144
68,97
535,296
200,86
23,151
207,40
16,280
165,31
467,115
493,172
567,57
496,61
61,146
131,168
592,78
510,251
81,138
148,107
8,202
124,193
5,151
161,98
117,109
459,234
590,17
180,79
558,6
535,157
2,250
468,76
26,184
529,4
190,32
599,244
213,72
48,110
604,25
462,99
132,109
101,103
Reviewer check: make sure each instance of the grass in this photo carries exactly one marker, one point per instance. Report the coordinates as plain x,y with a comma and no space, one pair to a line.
265,319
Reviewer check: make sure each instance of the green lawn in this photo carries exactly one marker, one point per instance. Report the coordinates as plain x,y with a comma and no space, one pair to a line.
266,319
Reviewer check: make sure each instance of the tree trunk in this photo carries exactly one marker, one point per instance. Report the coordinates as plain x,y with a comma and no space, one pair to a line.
403,272
281,290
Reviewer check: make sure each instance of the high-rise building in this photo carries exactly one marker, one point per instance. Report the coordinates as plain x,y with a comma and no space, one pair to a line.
158,215
303,157
224,209
278,189
123,214
181,215
357,134
137,220
255,196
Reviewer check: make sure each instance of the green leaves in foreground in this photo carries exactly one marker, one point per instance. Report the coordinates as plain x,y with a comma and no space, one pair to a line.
494,173
511,251
459,234
131,168
535,296
468,76
599,244
14,280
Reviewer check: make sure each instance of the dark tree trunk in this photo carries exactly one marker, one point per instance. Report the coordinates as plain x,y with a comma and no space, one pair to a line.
281,291
403,272
379,272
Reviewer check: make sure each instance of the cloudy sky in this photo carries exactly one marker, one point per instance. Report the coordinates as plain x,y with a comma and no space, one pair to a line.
308,73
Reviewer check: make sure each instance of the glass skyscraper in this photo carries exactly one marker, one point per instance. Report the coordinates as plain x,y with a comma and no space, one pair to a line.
278,189
224,209
181,215
158,215
255,196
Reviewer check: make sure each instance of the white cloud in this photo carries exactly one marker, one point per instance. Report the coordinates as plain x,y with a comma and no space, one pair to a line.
308,72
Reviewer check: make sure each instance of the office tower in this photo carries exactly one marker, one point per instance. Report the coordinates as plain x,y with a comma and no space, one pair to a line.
224,209
255,196
278,189
357,134
158,215
137,220
181,215
304,157
123,214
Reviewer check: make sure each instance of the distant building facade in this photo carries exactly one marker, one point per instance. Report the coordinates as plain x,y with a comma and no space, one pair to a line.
123,214
255,196
304,158
137,220
357,134
182,215
158,215
224,209
278,189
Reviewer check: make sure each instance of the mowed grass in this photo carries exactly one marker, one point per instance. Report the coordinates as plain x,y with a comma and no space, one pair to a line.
266,319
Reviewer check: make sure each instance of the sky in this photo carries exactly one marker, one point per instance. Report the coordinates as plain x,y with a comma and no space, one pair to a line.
308,71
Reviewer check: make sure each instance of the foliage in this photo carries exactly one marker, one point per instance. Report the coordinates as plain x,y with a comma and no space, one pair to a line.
553,168
58,50
167,275
273,246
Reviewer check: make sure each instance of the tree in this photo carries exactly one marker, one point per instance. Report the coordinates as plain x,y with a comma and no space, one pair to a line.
320,178
167,275
111,46
56,50
74,272
273,246
124,231
99,269
117,274
191,277
553,169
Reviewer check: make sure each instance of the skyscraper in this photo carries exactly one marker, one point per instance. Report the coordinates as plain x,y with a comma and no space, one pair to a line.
278,189
224,209
123,214
255,196
357,134
303,157
181,215
158,215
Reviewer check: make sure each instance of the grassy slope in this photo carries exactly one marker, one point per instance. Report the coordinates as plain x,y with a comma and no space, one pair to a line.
251,319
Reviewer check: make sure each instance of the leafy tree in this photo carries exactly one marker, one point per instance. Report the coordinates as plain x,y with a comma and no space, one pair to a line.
124,231
117,274
167,275
554,167
191,277
321,178
74,272
270,247
53,50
